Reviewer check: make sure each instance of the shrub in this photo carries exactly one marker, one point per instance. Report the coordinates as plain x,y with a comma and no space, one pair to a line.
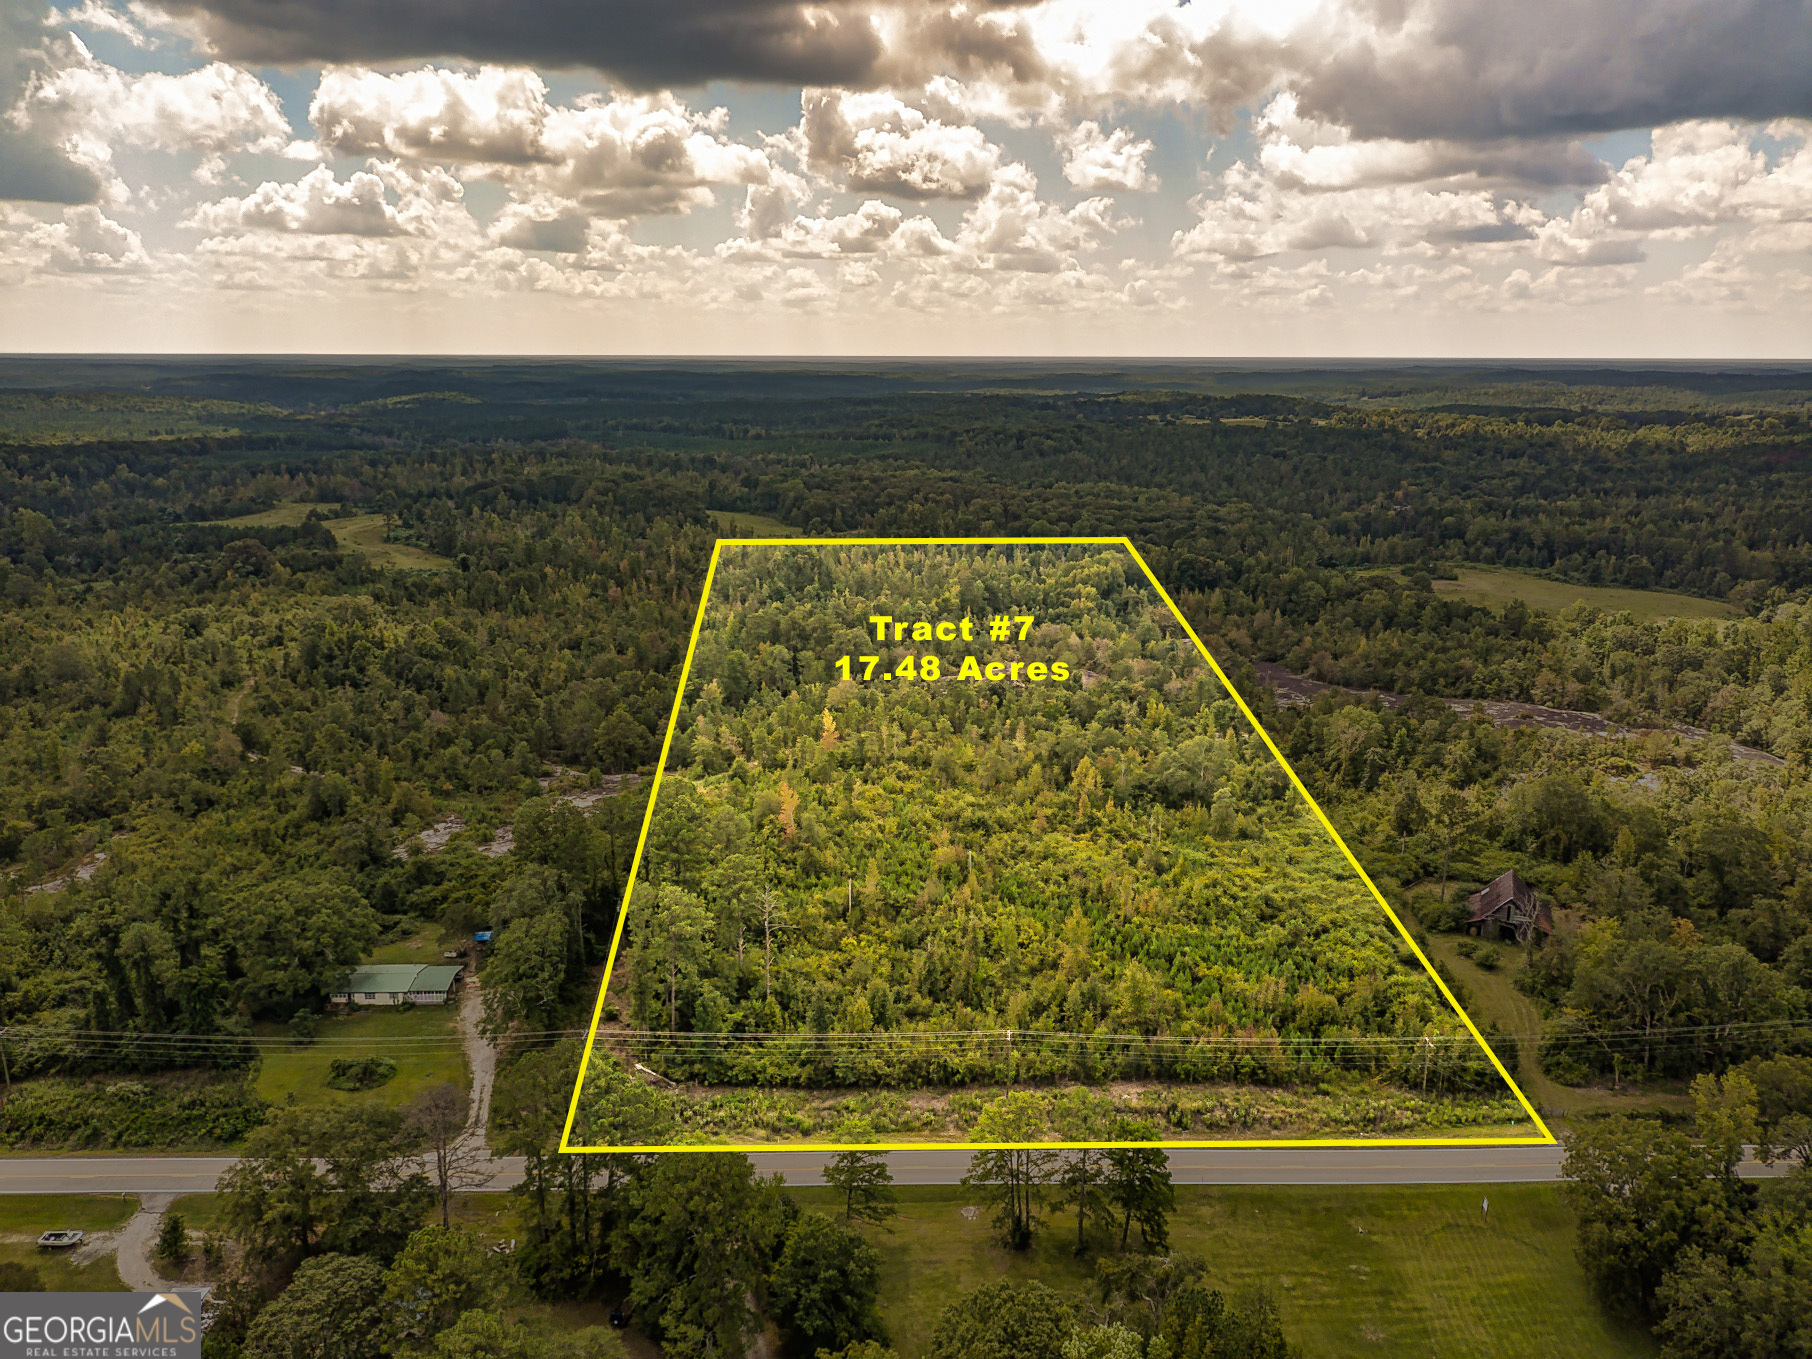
359,1073
18,1278
52,1111
173,1240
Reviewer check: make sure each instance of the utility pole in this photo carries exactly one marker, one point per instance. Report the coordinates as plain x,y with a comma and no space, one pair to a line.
5,1068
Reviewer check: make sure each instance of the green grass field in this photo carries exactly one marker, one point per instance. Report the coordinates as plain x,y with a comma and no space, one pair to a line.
200,1212
1373,1270
301,1072
419,948
33,1214
24,1216
1357,1271
365,533
737,524
1496,587
361,533
289,514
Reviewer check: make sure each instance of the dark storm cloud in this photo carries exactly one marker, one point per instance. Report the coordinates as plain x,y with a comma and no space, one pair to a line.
1484,69
644,43
1455,70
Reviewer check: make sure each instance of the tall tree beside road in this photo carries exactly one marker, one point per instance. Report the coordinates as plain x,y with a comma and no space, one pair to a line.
1012,1180
1138,1185
438,1117
1081,1182
570,1215
318,1180
1643,1193
441,1273
696,1235
866,1184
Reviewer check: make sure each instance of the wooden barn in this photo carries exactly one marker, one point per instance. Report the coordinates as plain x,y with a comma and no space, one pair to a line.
1507,908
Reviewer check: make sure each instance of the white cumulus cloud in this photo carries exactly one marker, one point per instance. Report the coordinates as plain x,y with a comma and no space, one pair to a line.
1094,160
877,144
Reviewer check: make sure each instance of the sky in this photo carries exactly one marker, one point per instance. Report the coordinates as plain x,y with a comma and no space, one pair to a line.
1222,178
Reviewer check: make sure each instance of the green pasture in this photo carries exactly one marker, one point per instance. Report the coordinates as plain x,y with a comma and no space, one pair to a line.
289,514
1495,587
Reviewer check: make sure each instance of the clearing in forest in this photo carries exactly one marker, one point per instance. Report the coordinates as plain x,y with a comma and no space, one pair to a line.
971,841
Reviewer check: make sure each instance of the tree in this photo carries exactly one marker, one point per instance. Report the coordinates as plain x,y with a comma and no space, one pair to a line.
322,1179
1104,1342
569,1213
486,1335
331,1310
867,1185
295,939
674,930
1012,1180
1138,1185
697,1236
525,974
438,1117
1724,1116
825,1285
1003,1321
1082,1182
1453,814
1408,814
172,1240
1199,1324
1137,1289
441,1272
1643,1194
770,903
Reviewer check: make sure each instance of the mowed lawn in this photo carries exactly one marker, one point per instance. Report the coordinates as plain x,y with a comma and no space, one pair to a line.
24,1217
431,1055
1496,587
1398,1271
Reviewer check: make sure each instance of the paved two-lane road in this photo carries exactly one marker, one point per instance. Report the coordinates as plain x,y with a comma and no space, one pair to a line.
1381,1165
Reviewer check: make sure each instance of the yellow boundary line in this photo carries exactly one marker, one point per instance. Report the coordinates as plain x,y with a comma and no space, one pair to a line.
1546,1138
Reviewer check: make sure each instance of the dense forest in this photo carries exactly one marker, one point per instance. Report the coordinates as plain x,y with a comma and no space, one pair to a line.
218,730
1095,873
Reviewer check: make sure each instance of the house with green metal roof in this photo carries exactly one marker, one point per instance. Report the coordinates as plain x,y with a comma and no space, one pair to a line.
394,983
